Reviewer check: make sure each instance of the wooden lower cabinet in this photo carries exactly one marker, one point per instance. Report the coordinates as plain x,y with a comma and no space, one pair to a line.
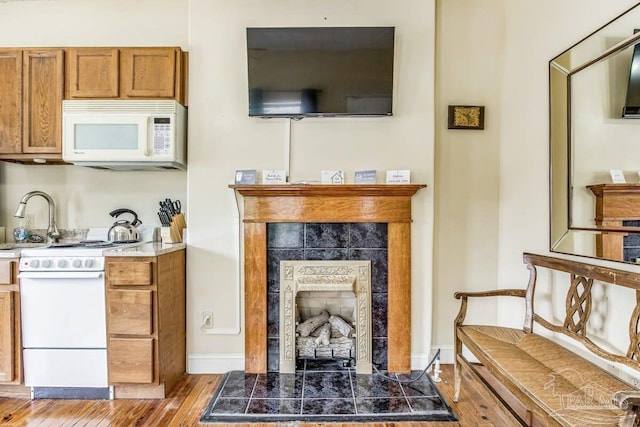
10,342
146,324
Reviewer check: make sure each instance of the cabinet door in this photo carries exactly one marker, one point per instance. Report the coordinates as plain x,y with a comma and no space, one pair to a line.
92,73
10,101
149,72
42,101
130,360
7,337
129,312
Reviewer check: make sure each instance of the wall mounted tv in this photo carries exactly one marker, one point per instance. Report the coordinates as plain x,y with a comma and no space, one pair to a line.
632,103
320,71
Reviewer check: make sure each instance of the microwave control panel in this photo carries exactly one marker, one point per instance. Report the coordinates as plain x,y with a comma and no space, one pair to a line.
161,135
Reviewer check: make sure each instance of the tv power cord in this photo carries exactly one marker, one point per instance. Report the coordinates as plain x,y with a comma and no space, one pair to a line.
436,371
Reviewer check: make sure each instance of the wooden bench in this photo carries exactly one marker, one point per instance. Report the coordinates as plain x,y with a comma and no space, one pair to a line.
556,386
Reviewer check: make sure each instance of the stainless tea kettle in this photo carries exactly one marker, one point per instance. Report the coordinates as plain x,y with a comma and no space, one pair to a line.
123,231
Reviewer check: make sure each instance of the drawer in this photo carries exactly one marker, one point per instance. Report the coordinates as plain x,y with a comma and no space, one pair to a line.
139,273
130,312
130,360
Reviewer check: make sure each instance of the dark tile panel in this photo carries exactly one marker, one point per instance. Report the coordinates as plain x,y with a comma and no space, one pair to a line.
273,315
326,235
229,406
328,406
274,385
273,354
274,406
379,266
332,385
325,254
384,405
368,235
285,235
631,240
379,303
630,254
379,350
274,256
239,384
375,386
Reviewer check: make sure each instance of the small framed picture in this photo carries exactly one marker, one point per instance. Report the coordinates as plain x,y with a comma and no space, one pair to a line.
466,117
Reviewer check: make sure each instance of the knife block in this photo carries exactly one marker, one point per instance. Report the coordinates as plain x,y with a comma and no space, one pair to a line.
173,233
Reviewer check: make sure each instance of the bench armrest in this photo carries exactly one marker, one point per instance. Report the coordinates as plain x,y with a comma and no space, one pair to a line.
626,400
495,293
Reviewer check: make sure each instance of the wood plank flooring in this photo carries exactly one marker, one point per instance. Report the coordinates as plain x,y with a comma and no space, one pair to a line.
187,401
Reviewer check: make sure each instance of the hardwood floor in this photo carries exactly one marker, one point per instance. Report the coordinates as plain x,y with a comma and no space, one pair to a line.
187,401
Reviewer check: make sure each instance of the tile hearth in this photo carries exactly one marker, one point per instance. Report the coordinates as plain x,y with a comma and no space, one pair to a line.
323,391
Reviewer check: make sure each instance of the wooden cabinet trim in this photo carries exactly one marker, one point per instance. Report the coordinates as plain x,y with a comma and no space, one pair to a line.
11,101
150,72
7,336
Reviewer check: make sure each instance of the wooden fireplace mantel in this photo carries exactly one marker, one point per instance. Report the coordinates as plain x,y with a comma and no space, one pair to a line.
383,203
614,203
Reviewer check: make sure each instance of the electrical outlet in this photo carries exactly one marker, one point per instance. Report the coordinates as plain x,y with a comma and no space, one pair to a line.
207,320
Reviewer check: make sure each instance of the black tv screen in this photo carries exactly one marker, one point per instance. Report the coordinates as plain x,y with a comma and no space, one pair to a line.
320,71
632,102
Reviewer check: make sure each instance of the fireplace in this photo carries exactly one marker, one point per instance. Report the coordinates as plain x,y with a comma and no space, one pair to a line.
337,300
386,204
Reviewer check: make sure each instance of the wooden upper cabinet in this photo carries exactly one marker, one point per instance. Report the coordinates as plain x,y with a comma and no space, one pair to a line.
92,73
151,73
126,73
43,83
10,101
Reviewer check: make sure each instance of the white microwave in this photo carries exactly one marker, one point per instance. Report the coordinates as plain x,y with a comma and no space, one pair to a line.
124,134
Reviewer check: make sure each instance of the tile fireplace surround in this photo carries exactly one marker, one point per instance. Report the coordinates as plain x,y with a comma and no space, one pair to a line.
382,203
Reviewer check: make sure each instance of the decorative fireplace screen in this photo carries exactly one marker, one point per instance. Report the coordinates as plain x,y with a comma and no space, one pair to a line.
313,338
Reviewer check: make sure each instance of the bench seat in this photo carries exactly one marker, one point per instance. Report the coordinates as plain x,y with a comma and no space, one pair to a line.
550,375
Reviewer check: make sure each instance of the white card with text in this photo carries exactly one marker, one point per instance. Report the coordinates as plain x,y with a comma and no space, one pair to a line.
274,177
332,177
399,176
617,177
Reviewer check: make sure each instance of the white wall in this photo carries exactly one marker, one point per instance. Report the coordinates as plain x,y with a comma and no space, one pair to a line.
224,138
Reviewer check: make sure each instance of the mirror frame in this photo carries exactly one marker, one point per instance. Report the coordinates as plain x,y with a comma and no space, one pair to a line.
561,140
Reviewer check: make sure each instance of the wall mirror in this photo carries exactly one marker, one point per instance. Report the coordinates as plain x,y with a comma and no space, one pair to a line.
591,84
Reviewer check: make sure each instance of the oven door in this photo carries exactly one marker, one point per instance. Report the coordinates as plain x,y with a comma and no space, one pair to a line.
64,334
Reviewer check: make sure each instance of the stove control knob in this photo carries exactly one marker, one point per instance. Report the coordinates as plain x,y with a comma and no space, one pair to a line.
62,263
88,263
77,263
34,263
46,263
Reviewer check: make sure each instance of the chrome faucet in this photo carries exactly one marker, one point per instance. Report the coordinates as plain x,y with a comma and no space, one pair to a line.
53,235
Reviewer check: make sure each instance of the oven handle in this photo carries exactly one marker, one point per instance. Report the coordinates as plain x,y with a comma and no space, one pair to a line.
60,275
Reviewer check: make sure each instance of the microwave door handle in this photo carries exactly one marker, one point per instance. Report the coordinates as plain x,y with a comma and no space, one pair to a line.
147,148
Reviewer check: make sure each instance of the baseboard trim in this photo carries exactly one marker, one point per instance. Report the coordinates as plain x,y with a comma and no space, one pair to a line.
214,363
222,363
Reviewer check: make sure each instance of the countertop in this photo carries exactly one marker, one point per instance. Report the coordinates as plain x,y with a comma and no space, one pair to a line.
147,249
13,250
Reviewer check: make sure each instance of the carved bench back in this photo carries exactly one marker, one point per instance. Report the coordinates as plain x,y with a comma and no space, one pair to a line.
578,303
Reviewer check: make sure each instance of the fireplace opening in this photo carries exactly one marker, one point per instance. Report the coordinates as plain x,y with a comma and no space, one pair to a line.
325,326
325,313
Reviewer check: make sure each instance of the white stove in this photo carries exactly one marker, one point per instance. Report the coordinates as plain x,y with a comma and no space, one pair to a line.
63,307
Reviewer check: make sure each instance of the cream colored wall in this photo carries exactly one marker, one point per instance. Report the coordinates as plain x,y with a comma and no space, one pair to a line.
84,197
224,138
535,32
469,63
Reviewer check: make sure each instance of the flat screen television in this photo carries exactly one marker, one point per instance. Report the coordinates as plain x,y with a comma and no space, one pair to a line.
632,103
320,71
